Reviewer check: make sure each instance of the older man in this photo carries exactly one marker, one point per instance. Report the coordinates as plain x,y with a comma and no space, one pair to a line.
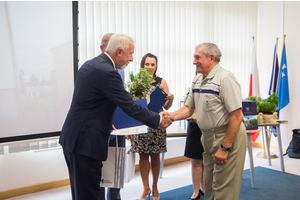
98,91
112,193
216,96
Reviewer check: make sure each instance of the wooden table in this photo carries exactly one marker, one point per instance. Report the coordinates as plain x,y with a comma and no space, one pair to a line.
277,125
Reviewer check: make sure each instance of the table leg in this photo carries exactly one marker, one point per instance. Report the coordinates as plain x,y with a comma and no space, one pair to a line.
267,145
280,148
161,165
253,182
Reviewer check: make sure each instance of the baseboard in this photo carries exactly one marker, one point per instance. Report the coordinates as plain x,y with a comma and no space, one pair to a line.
169,161
258,145
33,188
272,148
60,183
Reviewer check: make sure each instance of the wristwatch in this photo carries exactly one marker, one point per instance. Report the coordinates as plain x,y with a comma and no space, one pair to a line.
224,147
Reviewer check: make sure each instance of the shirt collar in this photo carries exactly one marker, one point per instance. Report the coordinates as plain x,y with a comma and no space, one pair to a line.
213,72
111,60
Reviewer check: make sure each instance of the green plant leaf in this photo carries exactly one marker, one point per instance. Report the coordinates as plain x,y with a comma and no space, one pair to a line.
186,96
266,105
140,85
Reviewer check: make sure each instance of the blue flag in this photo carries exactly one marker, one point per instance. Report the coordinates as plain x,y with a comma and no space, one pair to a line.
283,86
273,81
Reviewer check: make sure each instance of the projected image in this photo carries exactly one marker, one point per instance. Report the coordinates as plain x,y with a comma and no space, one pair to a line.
36,79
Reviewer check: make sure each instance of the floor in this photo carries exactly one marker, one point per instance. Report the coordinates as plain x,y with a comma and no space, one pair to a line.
174,176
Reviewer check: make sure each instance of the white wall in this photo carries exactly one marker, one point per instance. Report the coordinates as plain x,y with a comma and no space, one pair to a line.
292,30
274,20
26,168
33,167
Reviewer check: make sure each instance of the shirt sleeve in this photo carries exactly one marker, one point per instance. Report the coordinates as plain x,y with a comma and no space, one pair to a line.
190,100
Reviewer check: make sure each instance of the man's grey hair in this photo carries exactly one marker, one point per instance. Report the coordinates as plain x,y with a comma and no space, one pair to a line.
118,40
210,49
106,37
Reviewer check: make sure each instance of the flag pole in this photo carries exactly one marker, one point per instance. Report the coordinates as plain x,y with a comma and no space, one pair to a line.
280,64
274,67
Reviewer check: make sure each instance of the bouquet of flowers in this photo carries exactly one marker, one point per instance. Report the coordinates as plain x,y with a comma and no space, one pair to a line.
140,85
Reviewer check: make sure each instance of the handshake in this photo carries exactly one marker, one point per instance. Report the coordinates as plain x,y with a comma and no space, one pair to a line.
166,119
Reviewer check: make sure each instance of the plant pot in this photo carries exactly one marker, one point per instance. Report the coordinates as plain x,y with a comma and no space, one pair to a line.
147,98
267,113
267,118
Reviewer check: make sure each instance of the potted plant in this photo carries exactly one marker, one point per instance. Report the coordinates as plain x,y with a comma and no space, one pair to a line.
140,85
266,108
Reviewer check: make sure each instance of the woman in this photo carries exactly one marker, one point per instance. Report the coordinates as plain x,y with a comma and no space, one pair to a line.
154,142
194,150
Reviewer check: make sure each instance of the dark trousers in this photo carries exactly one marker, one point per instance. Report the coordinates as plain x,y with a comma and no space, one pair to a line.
85,176
113,193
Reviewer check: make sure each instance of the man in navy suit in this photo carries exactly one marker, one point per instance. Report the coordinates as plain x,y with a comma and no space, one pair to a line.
98,91
112,193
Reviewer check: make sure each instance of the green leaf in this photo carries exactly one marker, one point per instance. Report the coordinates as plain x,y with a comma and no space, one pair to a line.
186,96
140,85
266,105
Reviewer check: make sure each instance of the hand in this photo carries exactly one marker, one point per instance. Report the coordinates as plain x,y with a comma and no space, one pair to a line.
166,120
113,127
129,137
221,156
170,97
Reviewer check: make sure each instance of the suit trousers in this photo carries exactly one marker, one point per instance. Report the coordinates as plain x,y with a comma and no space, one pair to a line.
223,182
112,194
85,176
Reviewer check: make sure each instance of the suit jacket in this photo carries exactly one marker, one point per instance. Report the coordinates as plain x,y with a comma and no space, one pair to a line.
98,91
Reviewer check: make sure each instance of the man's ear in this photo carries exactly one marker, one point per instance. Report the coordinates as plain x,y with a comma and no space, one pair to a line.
212,58
101,47
119,51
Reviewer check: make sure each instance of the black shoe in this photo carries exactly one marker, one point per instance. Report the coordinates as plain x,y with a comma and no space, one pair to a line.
198,197
200,192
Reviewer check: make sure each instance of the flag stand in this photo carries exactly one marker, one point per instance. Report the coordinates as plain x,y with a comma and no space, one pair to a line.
273,89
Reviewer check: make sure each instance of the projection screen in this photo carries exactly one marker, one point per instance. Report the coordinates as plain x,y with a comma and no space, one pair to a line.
37,78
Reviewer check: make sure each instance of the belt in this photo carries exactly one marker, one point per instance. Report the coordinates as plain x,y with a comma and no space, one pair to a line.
215,130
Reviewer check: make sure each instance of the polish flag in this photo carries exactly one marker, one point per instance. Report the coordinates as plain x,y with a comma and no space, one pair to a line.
254,84
254,80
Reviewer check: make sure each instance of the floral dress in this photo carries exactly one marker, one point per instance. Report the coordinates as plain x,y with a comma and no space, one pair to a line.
155,141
